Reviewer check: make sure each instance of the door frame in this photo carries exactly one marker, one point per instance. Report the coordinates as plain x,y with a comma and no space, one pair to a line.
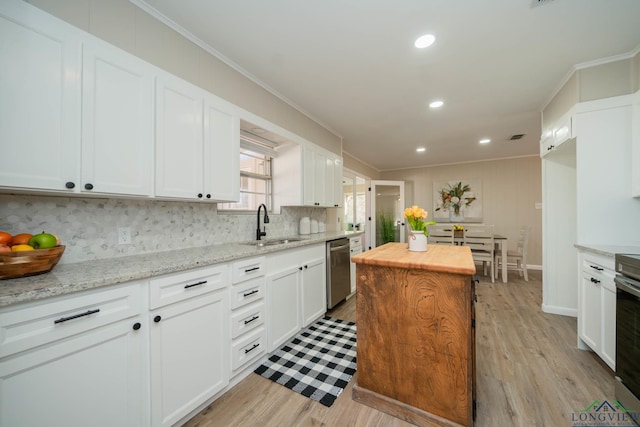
372,210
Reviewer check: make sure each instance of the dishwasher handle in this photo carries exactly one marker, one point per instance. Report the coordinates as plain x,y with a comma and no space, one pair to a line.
338,248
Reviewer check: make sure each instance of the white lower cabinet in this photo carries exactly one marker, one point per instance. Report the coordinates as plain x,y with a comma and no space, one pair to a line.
248,317
296,291
152,353
75,361
314,291
283,307
597,306
189,361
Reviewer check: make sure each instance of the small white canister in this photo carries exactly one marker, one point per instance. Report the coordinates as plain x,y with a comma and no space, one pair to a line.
305,225
314,226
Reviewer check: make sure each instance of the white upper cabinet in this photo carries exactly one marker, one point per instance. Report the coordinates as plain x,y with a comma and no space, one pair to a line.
319,171
39,101
197,143
333,179
117,122
557,133
179,140
314,172
221,151
635,145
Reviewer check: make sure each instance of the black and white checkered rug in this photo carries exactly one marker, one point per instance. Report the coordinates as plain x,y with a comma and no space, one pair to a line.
318,362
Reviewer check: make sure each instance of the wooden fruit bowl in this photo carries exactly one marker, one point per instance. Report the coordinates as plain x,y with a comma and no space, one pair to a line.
29,263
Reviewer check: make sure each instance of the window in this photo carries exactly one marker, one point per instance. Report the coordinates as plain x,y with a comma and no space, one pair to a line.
256,158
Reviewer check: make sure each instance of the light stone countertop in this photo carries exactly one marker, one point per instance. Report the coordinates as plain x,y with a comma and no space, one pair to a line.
69,278
608,250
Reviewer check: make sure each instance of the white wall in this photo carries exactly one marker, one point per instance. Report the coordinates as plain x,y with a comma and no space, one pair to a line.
510,190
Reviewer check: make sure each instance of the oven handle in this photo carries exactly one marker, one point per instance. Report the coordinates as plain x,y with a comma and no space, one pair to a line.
627,286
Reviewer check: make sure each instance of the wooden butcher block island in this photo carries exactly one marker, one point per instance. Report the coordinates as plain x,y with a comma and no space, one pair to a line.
416,333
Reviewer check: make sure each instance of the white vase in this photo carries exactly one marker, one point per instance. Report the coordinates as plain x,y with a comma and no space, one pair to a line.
455,218
417,241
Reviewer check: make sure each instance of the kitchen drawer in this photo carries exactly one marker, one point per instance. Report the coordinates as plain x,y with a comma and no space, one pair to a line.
599,270
355,241
247,319
248,348
246,269
180,286
247,292
36,324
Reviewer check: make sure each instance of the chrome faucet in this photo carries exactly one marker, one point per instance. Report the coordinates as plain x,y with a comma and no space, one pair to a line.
259,233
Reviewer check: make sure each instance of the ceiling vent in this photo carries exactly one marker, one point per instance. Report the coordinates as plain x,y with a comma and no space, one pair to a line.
516,137
535,3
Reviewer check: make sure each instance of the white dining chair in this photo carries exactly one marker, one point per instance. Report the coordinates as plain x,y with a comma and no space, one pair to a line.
518,258
482,243
440,234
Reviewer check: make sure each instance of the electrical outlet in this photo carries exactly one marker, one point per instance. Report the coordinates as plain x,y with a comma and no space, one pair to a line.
124,235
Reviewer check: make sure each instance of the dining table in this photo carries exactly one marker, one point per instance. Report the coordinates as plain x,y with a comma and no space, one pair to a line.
501,243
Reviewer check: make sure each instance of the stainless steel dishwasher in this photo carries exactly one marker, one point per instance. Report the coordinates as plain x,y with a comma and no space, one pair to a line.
338,271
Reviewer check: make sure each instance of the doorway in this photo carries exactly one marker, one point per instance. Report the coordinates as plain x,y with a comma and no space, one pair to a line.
387,208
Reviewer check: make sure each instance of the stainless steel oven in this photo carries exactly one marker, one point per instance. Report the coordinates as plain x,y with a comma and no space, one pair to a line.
628,331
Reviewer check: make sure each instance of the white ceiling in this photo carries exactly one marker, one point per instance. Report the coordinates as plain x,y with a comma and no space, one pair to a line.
351,65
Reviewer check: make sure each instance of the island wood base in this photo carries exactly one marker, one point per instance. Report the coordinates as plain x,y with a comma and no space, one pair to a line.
416,333
398,409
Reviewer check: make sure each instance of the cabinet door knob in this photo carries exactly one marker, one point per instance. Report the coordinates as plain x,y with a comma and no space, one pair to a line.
136,326
199,195
208,196
300,268
70,184
157,319
88,186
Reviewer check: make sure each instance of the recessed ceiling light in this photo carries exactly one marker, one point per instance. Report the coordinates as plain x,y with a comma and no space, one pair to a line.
424,41
421,149
436,104
485,141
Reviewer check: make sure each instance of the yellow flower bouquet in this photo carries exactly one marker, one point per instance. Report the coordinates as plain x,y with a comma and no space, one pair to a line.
416,217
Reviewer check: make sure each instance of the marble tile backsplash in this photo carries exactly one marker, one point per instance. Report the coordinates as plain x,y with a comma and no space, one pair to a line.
89,227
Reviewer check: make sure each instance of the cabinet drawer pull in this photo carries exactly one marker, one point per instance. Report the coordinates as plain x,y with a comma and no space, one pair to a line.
246,322
136,326
596,281
75,316
202,282
249,270
255,291
595,267
252,348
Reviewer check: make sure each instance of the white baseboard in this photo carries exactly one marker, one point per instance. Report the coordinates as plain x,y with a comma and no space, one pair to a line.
562,311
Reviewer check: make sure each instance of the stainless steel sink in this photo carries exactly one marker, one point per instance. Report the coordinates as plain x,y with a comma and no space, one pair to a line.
273,242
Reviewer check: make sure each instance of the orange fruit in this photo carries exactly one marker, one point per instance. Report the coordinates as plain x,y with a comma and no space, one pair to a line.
21,239
21,248
5,238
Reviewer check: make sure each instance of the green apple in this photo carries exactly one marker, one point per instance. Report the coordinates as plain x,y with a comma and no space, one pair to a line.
43,241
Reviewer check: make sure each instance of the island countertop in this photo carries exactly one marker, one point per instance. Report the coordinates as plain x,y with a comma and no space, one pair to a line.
443,258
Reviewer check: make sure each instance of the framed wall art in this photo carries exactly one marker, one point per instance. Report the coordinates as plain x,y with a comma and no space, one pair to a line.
457,200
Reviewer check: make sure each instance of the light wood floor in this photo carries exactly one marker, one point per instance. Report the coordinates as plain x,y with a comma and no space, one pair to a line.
529,372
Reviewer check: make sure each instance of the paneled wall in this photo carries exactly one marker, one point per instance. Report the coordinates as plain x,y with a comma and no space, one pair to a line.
510,190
